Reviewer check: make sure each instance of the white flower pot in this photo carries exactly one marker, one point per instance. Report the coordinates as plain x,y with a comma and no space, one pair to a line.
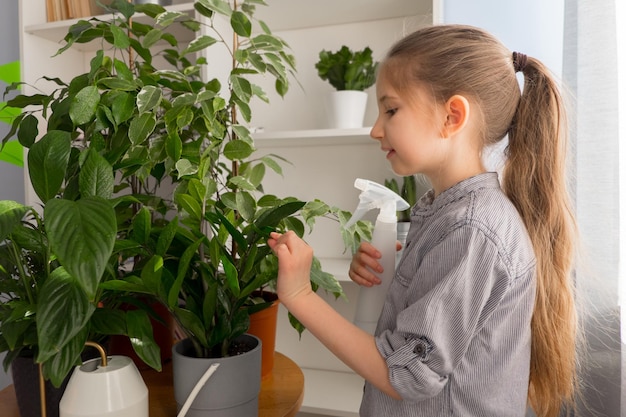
346,109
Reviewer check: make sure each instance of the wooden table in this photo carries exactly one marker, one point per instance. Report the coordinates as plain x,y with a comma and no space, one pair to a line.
281,393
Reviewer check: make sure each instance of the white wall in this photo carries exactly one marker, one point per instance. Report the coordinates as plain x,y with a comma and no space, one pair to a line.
532,27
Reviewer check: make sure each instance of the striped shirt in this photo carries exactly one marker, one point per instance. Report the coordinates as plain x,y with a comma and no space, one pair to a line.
455,328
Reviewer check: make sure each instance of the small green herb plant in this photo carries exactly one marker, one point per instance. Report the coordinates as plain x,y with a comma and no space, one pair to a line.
346,69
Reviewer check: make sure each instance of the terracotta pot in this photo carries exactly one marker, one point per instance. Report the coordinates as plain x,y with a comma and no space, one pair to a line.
263,326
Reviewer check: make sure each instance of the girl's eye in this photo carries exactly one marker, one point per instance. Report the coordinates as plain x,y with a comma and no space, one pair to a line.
391,112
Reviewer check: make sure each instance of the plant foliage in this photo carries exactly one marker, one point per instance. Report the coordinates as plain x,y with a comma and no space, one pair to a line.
347,70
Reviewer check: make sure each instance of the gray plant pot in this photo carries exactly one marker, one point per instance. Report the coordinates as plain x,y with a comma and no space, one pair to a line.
233,389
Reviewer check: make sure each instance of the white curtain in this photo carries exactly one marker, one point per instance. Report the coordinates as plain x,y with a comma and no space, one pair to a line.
591,72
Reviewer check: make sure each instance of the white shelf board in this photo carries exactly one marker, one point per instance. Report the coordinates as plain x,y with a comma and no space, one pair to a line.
332,393
280,15
57,30
315,137
299,14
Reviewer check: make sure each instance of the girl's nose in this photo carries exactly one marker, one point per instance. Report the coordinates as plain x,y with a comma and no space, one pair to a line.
376,132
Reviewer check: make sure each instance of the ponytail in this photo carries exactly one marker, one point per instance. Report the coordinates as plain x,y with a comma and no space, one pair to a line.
535,181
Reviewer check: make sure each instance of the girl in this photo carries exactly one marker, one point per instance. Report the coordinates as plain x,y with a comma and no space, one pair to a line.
479,320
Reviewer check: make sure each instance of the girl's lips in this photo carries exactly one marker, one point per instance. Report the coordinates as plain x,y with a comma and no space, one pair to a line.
390,152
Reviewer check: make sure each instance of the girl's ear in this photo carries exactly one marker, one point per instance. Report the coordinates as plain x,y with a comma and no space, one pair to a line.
457,115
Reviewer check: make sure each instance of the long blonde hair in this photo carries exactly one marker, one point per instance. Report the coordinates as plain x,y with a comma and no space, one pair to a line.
458,59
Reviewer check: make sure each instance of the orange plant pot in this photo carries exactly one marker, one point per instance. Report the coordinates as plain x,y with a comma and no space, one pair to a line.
263,326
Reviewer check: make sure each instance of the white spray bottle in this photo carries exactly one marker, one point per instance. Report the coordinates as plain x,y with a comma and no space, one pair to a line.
375,196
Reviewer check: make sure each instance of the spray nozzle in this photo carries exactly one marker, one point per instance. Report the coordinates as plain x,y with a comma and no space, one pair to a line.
376,196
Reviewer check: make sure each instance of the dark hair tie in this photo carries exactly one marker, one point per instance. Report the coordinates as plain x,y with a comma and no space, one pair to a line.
519,61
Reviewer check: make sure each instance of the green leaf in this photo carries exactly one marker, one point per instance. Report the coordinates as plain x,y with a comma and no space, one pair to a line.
63,311
189,205
272,217
151,275
325,280
11,214
141,128
142,225
151,38
173,146
149,98
96,177
237,150
82,234
123,107
241,24
183,267
241,87
166,237
218,6
140,335
29,130
231,275
115,83
108,321
168,17
120,38
122,70
192,323
83,106
61,364
185,168
199,44
47,162
246,205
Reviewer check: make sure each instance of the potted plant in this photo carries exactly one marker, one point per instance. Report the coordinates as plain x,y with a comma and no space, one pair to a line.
51,263
410,191
350,73
199,249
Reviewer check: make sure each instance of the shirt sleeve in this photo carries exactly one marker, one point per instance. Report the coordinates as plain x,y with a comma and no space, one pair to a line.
454,289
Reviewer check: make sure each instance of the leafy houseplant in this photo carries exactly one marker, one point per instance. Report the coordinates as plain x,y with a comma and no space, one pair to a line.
199,249
350,73
346,69
49,283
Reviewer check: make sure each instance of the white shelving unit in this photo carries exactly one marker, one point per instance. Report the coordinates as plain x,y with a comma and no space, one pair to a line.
323,162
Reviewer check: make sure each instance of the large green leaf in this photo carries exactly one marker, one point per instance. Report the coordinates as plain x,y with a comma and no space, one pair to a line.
47,162
141,127
83,107
60,365
63,311
272,217
151,275
96,177
148,98
82,234
140,335
11,213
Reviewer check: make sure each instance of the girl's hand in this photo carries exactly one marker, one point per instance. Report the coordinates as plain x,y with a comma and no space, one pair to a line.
365,264
294,266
